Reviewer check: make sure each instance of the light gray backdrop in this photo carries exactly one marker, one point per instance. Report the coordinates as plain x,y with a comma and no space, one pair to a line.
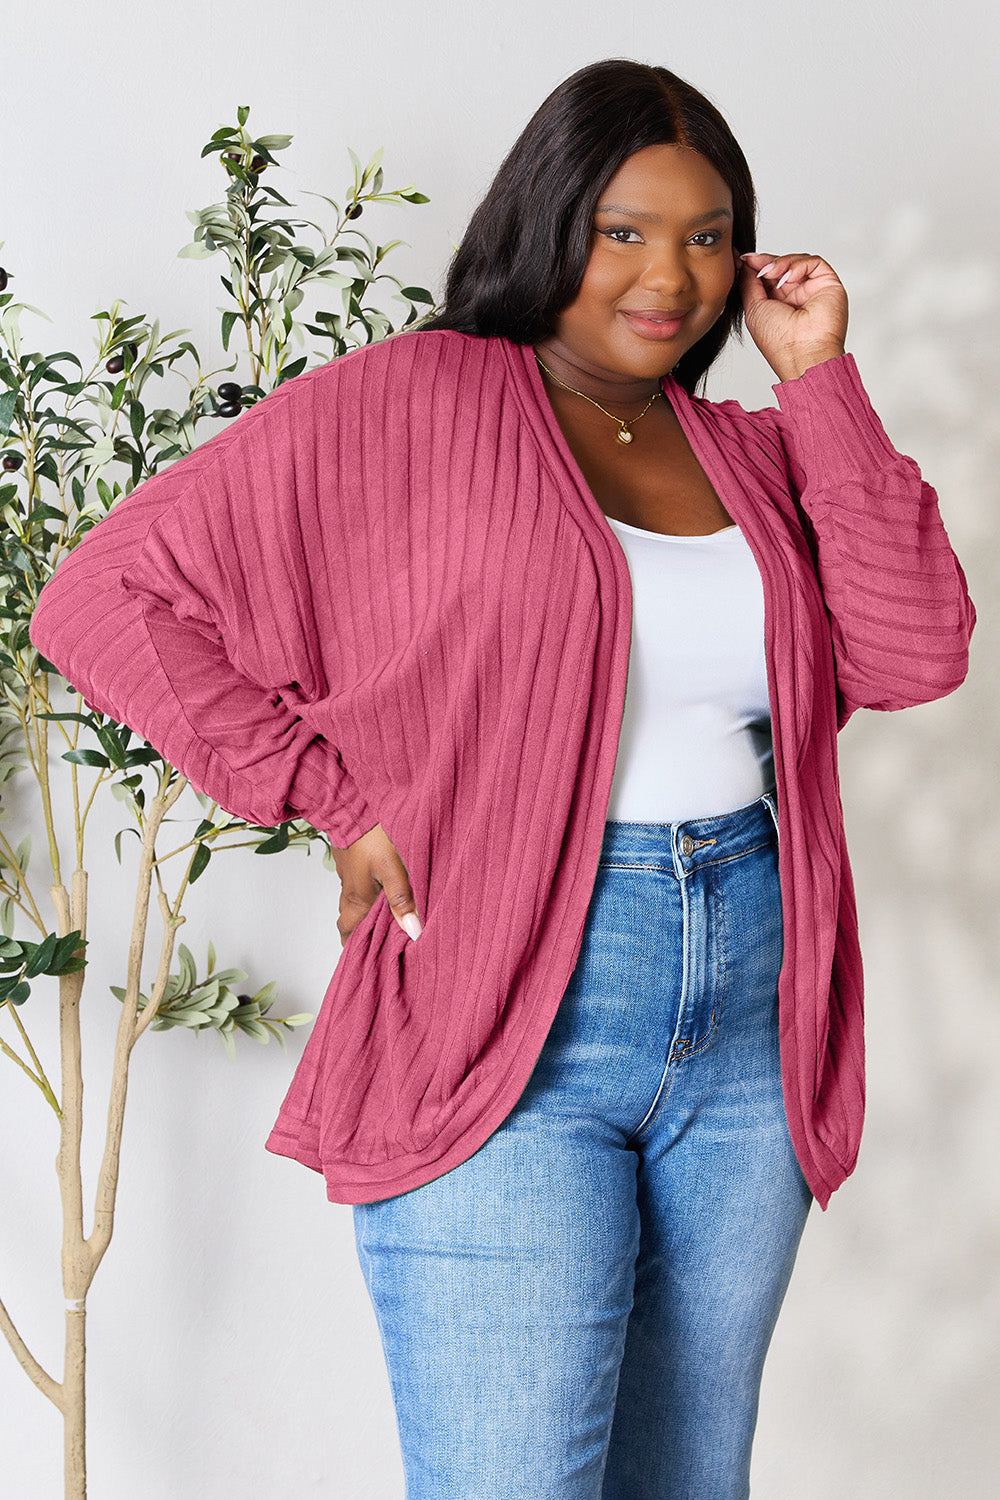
233,1352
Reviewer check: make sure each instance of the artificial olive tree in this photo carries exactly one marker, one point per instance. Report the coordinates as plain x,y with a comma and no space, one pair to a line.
74,442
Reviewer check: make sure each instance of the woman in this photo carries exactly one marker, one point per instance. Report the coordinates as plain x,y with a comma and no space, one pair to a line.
551,648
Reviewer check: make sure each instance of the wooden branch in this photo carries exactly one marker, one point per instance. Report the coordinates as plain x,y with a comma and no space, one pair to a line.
77,1265
170,926
29,1364
125,1038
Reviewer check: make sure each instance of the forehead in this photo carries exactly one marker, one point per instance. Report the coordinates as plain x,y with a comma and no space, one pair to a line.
666,181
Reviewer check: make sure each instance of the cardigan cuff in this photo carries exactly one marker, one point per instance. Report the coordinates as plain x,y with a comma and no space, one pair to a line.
322,792
835,432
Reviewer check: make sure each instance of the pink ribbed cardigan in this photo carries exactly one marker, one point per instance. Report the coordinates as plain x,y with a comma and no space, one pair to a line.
386,594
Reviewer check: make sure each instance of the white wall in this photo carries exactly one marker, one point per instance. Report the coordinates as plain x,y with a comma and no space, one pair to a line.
232,1348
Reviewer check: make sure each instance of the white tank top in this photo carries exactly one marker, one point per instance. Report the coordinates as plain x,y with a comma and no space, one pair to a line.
696,731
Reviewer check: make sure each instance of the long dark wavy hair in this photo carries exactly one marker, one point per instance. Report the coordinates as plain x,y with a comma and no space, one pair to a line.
523,255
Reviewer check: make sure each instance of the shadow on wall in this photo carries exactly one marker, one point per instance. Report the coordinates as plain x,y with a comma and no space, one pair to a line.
911,1255
921,786
892,1320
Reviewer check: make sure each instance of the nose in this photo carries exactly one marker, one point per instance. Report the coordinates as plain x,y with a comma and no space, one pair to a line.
667,270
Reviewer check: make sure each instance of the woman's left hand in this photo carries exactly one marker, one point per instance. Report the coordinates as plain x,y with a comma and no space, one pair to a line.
796,310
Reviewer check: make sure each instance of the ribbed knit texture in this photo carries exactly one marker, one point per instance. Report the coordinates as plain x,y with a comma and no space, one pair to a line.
386,594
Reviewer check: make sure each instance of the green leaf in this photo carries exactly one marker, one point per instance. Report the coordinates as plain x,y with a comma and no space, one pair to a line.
7,916
144,756
254,1029
7,403
45,513
118,840
188,974
87,758
111,744
195,251
188,1018
202,855
230,976
64,950
290,371
228,319
40,959
80,718
276,844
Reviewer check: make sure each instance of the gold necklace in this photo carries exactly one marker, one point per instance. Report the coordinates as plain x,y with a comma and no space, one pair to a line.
624,432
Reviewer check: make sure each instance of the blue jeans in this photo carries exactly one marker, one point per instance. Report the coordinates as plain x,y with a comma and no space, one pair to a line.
581,1310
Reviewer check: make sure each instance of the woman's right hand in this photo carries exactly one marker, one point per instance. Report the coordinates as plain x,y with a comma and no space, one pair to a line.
371,864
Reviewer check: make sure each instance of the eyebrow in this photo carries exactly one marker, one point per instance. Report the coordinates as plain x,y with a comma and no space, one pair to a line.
636,213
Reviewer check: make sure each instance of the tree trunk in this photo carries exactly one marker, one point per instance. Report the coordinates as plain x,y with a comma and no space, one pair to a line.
77,1261
74,1405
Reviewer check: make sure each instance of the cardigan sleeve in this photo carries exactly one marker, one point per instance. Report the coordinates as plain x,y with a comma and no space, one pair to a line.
184,614
899,606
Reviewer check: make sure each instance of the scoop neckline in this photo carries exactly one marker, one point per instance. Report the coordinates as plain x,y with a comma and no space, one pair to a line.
670,536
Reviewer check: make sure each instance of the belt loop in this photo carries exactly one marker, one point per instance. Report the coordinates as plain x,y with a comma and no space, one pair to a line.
772,808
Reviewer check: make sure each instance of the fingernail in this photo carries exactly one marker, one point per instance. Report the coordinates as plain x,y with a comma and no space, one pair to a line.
769,267
411,923
783,279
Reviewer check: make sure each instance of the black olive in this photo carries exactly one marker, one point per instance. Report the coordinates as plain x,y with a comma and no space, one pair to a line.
258,164
230,409
3,279
354,212
230,391
12,460
115,365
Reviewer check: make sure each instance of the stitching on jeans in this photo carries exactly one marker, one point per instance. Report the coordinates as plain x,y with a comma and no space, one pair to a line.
683,1049
687,1048
613,864
703,864
669,1071
673,1055
726,859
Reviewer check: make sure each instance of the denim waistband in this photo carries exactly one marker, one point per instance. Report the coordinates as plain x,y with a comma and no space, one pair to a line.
685,845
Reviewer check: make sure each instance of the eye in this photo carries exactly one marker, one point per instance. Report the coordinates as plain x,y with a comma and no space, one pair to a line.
616,230
702,232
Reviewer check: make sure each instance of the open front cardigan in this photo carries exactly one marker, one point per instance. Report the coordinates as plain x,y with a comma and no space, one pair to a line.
387,594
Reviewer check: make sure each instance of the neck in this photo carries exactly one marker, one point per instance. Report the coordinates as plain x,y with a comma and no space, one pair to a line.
614,388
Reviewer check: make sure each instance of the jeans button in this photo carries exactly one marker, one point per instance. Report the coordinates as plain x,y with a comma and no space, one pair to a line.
687,845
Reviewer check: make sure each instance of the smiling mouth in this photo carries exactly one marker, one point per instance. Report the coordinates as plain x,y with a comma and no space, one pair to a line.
656,314
651,323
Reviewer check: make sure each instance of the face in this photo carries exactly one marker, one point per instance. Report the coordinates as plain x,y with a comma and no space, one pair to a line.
661,242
